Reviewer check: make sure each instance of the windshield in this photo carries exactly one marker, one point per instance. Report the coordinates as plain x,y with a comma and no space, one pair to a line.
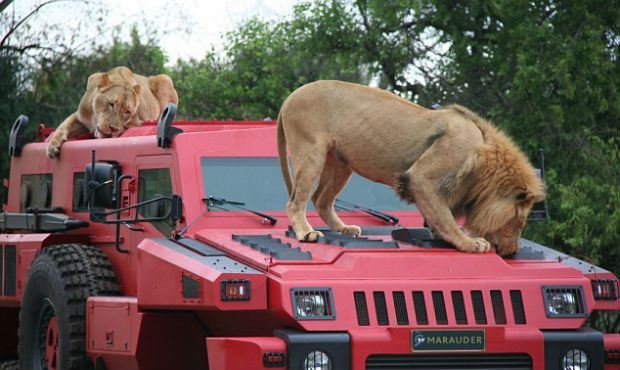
258,182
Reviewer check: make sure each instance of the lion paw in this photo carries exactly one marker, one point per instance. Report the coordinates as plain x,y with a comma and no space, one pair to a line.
351,230
475,245
53,149
311,237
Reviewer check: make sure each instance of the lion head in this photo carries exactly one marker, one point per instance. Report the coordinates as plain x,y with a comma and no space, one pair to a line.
506,188
116,101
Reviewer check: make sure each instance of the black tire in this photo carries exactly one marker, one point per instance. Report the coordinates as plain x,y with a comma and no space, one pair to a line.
59,281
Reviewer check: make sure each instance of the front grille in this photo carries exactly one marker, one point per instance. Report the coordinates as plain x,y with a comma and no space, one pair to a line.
439,314
479,311
459,307
381,308
361,307
420,308
401,308
498,307
517,307
512,361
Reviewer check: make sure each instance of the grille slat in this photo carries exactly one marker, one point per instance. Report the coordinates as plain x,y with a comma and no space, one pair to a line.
381,308
516,361
401,308
459,307
499,312
441,316
361,307
420,307
479,311
517,307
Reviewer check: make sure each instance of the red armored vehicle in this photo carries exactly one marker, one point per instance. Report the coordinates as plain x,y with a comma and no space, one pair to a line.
169,247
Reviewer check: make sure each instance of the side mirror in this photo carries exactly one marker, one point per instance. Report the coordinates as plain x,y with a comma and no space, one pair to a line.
176,208
100,185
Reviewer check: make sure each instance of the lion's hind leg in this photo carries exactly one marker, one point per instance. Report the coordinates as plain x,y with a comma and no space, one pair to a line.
307,162
333,179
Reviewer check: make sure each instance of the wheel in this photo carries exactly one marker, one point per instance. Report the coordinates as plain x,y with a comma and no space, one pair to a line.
52,320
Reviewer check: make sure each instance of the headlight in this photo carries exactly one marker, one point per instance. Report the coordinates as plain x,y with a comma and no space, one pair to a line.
575,359
312,303
317,360
564,301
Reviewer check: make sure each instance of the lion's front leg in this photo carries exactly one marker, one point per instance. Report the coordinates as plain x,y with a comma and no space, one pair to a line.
70,127
423,180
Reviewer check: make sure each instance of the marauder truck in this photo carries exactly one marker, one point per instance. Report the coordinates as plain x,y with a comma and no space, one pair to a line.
169,248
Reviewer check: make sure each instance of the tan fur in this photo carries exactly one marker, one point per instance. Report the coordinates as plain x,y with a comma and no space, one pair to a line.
450,162
114,101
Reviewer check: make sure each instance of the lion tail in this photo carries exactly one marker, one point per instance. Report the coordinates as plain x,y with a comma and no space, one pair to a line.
286,173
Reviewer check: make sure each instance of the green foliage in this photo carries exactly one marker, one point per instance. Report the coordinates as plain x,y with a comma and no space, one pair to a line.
263,62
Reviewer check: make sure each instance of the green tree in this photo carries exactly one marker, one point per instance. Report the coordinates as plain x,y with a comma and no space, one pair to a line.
263,62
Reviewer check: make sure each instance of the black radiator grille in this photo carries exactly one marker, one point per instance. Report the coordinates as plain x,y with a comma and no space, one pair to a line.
443,361
479,311
517,306
381,308
420,307
401,305
441,316
10,271
401,308
459,307
498,307
361,307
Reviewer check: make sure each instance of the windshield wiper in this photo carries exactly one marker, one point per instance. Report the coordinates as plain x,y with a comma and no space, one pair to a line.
382,215
219,202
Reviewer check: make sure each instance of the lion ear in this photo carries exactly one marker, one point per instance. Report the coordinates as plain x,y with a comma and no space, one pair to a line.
138,90
102,81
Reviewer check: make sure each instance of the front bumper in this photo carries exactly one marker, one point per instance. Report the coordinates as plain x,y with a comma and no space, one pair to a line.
390,348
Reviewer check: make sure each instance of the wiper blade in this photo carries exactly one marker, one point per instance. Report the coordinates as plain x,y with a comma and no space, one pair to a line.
382,215
218,202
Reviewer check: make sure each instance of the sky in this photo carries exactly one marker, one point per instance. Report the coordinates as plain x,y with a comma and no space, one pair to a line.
185,28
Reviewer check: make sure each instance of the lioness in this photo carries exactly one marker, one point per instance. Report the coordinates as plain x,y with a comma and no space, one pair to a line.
114,101
450,162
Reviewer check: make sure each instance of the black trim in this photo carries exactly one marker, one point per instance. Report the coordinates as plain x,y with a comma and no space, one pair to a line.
270,246
336,345
165,131
479,311
419,304
400,307
499,312
361,308
191,287
557,342
441,316
17,141
421,237
10,271
442,361
381,308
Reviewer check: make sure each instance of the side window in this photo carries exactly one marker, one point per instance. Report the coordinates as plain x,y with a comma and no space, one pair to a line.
36,191
153,183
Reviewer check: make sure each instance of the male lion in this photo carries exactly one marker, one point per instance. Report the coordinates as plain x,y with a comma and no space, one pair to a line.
450,162
114,101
